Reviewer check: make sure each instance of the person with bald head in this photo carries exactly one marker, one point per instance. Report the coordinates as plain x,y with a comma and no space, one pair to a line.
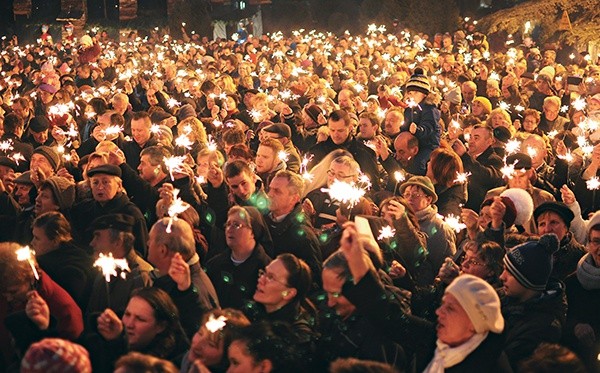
172,252
120,104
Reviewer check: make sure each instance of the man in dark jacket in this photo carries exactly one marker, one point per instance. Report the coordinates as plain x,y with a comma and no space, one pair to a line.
340,138
172,250
290,229
533,307
108,198
483,164
112,234
141,138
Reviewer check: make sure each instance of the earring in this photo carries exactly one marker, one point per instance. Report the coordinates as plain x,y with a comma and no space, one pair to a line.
284,293
156,171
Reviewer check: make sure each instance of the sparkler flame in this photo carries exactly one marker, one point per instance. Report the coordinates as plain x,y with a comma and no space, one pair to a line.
174,164
345,192
176,208
386,232
109,265
454,223
26,254
593,183
214,325
462,178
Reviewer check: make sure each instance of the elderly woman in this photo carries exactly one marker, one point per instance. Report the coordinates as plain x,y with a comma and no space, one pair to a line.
469,319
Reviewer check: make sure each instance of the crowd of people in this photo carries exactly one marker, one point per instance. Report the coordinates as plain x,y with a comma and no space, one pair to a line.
386,202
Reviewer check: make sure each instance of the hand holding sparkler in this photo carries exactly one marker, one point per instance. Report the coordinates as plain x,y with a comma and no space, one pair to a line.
497,211
567,195
26,254
215,175
37,310
110,326
459,148
308,208
358,259
179,271
471,219
448,271
393,211
397,270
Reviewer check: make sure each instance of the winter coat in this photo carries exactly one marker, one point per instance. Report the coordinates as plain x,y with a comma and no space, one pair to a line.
485,175
566,258
71,268
414,333
584,308
365,157
66,318
84,213
537,320
235,284
441,239
194,302
295,235
450,199
429,132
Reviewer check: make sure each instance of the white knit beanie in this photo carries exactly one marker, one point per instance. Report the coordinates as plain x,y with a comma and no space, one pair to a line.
480,301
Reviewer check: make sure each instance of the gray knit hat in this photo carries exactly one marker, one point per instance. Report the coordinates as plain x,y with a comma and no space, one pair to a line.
63,191
50,154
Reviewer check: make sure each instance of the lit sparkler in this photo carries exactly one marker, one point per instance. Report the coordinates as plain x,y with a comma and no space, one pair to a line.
26,254
512,146
176,208
454,222
593,183
345,192
386,232
109,265
462,178
214,325
174,164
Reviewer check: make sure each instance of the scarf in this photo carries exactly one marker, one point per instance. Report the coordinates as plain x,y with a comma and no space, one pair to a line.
587,273
446,356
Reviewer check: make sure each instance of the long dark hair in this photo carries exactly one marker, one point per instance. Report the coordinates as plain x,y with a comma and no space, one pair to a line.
172,338
299,278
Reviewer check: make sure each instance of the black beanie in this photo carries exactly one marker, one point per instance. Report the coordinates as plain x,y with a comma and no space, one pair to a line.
531,263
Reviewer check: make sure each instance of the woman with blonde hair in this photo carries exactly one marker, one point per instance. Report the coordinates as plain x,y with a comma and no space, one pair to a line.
194,130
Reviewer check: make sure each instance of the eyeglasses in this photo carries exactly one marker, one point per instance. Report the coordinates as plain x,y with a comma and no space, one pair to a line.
235,225
413,195
595,242
270,277
339,176
474,262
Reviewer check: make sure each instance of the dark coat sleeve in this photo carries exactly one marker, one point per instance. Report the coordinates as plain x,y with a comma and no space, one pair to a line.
386,312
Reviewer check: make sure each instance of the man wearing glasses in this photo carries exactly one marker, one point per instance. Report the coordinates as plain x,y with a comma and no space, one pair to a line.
318,204
420,194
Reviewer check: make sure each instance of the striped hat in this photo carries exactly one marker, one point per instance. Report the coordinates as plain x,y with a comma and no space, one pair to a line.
531,263
418,82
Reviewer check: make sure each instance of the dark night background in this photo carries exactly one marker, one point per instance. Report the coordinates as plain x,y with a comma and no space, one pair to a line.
332,15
